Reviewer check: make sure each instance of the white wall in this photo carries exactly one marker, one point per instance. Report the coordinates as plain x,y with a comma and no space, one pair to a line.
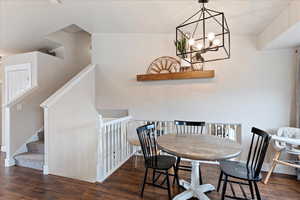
11,147
2,139
1,71
75,50
71,129
52,73
254,88
283,32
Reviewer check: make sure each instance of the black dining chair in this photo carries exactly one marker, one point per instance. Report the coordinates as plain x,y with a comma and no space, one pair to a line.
160,164
246,173
188,128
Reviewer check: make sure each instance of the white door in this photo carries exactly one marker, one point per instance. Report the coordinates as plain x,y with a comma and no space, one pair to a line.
17,81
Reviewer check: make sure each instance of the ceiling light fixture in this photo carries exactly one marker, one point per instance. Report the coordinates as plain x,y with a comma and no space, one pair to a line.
208,36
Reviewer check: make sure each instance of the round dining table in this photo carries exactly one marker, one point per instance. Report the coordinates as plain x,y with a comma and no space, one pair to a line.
198,148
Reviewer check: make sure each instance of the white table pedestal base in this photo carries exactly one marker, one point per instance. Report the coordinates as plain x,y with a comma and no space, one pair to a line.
194,189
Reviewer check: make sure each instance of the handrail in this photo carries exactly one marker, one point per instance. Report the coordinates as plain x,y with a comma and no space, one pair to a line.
219,123
20,98
115,121
68,86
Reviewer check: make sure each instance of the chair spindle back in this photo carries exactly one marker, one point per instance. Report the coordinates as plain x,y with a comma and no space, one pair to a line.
257,152
148,143
189,127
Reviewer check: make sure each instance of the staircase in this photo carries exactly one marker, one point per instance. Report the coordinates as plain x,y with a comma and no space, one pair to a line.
34,157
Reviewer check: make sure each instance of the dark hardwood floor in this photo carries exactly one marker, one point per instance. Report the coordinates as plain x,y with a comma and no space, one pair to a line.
17,183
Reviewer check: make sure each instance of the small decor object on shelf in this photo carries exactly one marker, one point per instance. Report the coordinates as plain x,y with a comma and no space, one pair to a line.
164,64
186,69
204,37
181,46
198,67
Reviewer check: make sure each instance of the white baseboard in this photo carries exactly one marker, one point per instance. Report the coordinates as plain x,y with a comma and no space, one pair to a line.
3,149
45,170
9,162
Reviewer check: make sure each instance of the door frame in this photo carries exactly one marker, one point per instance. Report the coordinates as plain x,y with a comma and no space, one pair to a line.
11,68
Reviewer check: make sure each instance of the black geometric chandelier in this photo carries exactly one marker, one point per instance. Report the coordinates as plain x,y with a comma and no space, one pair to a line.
204,37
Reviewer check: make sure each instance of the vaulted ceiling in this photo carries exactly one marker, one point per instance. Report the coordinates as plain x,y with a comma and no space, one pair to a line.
24,24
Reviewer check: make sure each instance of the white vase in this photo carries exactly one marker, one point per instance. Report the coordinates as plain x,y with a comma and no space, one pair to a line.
184,63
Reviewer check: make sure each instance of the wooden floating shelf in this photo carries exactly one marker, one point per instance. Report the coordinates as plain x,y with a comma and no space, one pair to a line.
177,75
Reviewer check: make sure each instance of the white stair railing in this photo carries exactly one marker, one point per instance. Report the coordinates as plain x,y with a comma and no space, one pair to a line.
113,149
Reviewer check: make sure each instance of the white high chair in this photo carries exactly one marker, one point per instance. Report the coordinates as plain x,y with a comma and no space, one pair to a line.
287,140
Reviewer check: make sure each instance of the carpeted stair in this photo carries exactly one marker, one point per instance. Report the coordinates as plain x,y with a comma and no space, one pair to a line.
34,157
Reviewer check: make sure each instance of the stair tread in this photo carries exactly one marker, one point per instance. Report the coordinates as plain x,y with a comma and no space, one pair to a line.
30,156
36,147
37,142
41,135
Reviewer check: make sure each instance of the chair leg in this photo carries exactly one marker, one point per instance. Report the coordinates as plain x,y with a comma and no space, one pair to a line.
175,176
276,157
251,189
257,191
145,179
153,176
135,160
220,180
224,187
168,184
176,170
200,176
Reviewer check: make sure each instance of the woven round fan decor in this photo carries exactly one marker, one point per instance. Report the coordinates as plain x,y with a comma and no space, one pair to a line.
165,64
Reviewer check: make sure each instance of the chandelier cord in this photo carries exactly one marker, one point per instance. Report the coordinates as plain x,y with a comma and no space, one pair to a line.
202,12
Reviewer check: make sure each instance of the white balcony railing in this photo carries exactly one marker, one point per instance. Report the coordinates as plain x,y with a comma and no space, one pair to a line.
114,148
224,130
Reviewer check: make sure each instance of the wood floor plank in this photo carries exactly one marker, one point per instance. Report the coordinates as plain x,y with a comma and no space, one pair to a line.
18,183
